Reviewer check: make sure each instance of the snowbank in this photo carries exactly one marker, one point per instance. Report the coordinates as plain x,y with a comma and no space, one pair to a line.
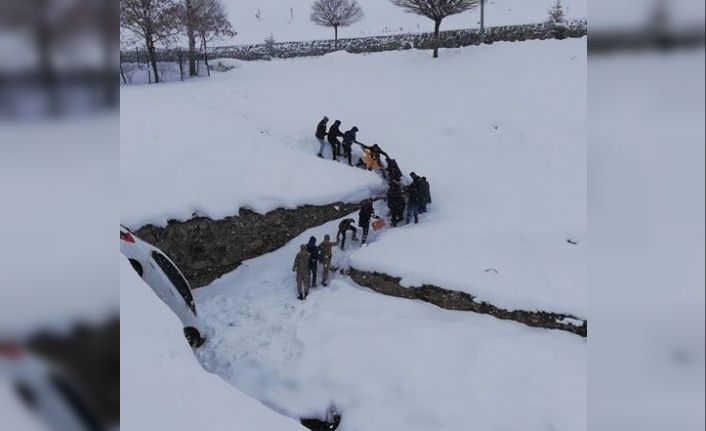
162,384
386,363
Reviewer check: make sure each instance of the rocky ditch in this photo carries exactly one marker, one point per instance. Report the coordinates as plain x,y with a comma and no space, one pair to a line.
461,301
205,249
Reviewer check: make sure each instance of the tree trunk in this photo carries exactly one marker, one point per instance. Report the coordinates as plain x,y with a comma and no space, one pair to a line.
335,37
482,19
181,65
192,54
205,57
152,54
122,74
437,24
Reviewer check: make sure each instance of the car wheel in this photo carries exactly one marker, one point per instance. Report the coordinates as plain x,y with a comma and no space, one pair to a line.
137,267
193,336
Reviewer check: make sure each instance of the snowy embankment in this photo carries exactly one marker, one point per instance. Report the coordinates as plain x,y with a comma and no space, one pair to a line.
162,384
385,363
498,130
209,148
381,18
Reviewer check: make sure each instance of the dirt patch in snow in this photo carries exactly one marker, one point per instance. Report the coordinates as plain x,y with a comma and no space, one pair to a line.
205,249
461,301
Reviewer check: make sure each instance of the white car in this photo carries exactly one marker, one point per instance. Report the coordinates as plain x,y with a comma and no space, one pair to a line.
165,279
46,391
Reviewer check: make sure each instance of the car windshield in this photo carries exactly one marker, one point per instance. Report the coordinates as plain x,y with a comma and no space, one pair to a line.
176,278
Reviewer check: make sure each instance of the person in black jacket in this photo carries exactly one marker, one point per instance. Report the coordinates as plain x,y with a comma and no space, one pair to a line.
413,198
313,250
425,194
343,227
321,134
333,134
395,202
393,170
364,215
349,138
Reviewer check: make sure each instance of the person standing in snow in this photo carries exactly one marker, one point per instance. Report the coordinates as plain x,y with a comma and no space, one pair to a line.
349,138
364,215
301,267
325,255
393,170
425,194
313,250
321,134
413,198
343,228
333,134
395,202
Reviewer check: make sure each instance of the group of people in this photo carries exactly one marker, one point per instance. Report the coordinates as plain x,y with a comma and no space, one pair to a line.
402,195
312,255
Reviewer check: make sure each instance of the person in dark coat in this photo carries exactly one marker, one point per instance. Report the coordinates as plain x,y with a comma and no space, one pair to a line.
321,134
395,202
343,228
425,194
333,134
393,170
364,215
313,251
412,192
349,138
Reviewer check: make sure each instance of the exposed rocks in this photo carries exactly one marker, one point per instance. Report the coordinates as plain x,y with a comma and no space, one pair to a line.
461,301
205,249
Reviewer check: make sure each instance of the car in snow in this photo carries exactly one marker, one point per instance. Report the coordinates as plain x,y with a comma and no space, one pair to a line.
165,279
46,391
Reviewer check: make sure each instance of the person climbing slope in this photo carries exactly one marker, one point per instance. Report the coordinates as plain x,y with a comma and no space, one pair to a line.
364,215
425,194
325,255
321,134
412,193
393,170
343,227
349,138
333,134
301,267
313,250
395,202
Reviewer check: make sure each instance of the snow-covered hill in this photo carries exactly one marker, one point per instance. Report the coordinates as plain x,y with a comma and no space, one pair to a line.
499,131
288,20
162,384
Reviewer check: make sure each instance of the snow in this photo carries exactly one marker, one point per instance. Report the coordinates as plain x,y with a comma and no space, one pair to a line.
385,363
16,416
162,385
500,135
59,220
381,17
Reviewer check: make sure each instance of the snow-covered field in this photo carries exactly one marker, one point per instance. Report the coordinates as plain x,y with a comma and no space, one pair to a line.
500,133
288,20
162,385
498,130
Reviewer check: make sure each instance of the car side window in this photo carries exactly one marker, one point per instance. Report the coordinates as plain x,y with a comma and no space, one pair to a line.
175,277
77,403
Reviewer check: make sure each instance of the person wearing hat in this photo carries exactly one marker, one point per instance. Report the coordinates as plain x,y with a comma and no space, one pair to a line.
321,134
333,134
349,138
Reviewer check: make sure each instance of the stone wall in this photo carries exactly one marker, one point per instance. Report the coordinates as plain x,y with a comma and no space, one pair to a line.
449,39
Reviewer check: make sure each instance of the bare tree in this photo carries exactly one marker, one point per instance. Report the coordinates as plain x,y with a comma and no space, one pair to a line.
153,20
212,23
336,13
188,16
436,10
